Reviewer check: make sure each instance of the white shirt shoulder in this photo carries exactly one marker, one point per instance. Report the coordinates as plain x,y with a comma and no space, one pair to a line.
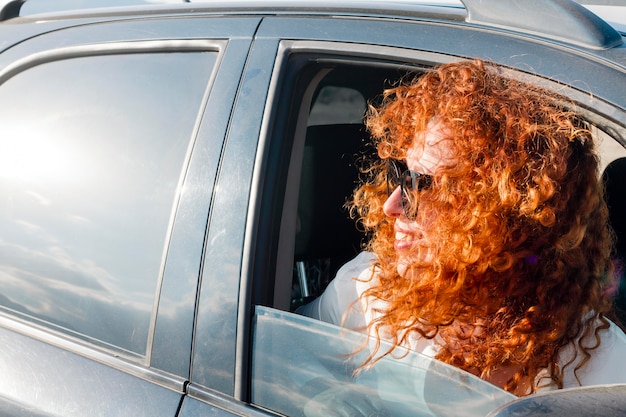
606,364
339,303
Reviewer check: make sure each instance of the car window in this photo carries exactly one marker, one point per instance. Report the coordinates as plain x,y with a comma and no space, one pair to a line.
296,361
91,156
336,145
300,364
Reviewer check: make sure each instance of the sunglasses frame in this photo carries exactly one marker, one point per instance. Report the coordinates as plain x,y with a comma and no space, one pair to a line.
409,181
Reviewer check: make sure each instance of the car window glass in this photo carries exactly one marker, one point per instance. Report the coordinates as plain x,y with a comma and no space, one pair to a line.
91,157
300,365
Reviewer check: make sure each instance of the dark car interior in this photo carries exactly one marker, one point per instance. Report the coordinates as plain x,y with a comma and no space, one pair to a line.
337,148
327,237
334,154
614,178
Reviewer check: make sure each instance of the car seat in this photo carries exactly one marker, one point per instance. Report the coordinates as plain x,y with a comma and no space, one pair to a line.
330,173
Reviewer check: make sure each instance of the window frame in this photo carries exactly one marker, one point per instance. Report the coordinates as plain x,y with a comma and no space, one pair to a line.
135,364
596,110
162,378
124,49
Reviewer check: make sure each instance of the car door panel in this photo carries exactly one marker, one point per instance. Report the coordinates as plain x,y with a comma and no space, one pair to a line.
57,382
402,43
180,280
77,378
218,323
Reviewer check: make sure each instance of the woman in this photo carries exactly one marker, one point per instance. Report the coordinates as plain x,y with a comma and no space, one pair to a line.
491,246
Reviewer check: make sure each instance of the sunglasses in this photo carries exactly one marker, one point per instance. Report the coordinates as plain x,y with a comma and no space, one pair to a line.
399,175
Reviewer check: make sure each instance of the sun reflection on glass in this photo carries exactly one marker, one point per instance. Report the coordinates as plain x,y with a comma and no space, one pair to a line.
34,156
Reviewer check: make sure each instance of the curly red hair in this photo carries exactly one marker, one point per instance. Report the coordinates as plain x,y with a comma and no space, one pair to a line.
521,241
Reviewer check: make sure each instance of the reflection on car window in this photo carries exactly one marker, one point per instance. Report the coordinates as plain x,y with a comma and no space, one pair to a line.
91,156
300,365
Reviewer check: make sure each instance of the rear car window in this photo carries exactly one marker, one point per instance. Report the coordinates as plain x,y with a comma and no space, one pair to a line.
91,157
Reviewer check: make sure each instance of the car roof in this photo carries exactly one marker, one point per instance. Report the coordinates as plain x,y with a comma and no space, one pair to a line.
559,20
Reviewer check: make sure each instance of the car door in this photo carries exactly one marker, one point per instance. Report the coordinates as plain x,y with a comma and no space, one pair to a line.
113,133
297,57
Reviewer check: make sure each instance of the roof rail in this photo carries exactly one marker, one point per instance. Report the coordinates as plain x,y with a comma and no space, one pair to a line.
11,10
562,20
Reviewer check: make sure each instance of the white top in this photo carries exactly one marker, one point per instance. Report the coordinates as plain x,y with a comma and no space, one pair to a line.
606,365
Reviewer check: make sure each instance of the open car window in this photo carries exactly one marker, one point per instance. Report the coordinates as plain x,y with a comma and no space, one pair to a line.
300,365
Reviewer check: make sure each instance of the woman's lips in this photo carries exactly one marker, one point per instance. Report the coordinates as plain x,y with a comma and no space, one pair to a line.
403,240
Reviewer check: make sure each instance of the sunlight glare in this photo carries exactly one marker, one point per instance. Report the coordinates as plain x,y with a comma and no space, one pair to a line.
31,155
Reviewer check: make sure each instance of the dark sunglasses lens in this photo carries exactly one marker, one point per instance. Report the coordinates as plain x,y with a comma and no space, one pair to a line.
424,182
415,181
398,175
412,182
393,176
408,195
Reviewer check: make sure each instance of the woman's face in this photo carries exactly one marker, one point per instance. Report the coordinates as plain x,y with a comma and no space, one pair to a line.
427,154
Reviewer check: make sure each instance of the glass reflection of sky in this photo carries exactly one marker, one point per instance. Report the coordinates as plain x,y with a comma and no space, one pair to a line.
90,158
291,353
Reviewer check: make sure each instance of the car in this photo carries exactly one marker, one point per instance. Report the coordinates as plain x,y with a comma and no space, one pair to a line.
173,179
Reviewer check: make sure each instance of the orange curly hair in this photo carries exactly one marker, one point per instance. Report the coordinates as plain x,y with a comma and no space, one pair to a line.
521,240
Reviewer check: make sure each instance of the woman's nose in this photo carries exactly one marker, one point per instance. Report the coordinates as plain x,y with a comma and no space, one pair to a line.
393,205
